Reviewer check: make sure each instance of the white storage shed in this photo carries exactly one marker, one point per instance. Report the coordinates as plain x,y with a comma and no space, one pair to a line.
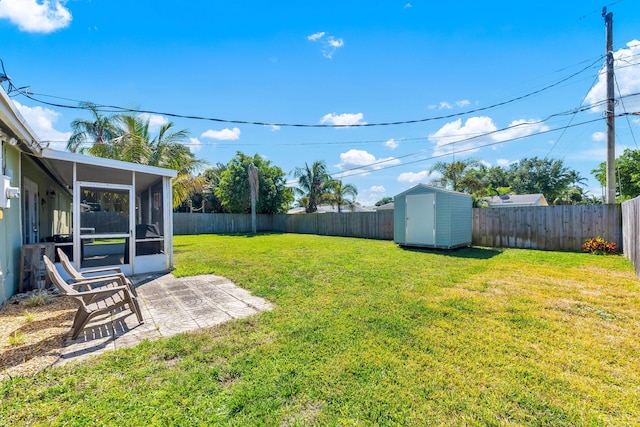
432,217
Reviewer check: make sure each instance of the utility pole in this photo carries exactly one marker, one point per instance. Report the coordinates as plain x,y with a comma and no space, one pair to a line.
610,196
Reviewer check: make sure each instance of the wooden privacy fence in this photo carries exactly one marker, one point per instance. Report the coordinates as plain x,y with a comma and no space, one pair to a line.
369,225
558,228
631,231
216,223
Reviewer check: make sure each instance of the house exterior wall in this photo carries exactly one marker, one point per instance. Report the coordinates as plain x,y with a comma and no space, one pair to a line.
54,211
10,229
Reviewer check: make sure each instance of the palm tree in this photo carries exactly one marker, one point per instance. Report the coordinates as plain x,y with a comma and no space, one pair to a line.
339,193
575,179
130,140
313,183
453,174
98,131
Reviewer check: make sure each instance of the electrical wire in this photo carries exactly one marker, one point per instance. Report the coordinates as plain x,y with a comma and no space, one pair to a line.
342,173
572,117
116,109
472,135
615,79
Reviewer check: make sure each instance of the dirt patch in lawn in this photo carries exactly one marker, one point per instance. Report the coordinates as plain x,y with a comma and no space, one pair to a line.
32,338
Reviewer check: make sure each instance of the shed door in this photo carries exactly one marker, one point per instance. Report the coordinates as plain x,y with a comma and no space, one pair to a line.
420,219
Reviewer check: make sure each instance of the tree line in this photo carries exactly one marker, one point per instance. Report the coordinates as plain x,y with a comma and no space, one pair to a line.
226,188
550,177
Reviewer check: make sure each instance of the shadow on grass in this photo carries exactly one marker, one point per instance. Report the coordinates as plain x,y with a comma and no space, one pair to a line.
468,252
251,235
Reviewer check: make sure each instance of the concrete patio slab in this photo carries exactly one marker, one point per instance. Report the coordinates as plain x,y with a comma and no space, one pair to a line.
169,306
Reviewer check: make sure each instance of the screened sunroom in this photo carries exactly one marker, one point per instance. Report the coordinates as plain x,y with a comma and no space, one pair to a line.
120,215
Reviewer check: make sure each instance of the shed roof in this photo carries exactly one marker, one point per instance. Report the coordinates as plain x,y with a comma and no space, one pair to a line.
434,189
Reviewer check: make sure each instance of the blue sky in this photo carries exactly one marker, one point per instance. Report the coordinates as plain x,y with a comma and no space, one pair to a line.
337,62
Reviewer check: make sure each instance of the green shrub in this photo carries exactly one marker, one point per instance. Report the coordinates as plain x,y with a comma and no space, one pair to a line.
39,299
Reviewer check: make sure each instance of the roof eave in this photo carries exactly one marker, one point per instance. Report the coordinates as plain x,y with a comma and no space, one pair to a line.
49,153
18,126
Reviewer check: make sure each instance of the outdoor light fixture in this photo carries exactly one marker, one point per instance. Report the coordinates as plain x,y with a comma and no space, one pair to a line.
13,141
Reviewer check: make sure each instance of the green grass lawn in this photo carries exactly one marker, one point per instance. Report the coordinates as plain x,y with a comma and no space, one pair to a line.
366,333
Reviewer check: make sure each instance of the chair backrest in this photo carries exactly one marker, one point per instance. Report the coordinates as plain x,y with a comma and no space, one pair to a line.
57,279
68,267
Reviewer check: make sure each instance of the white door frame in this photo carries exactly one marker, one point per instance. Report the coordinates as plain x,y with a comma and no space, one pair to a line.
77,242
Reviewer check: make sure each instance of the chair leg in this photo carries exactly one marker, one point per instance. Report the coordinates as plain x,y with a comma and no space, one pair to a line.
132,288
80,321
135,307
132,302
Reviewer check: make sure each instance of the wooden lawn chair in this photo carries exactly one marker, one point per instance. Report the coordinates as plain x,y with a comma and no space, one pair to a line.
79,279
95,301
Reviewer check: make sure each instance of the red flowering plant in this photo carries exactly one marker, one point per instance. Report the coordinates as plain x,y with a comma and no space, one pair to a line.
599,246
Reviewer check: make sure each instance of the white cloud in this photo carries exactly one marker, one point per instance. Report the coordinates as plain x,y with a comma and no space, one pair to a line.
335,43
35,16
627,69
432,107
222,135
156,121
392,143
444,105
371,195
599,136
344,119
364,161
316,36
408,6
275,128
329,44
332,44
415,177
503,162
453,135
520,128
41,121
463,103
195,145
477,132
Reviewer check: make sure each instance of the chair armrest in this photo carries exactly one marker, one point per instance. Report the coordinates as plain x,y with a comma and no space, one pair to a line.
99,270
89,297
104,291
120,278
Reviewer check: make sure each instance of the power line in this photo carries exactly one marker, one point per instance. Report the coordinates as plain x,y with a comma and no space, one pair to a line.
453,152
625,110
563,129
116,109
572,118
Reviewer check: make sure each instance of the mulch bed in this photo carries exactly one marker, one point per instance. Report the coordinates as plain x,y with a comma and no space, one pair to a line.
32,337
